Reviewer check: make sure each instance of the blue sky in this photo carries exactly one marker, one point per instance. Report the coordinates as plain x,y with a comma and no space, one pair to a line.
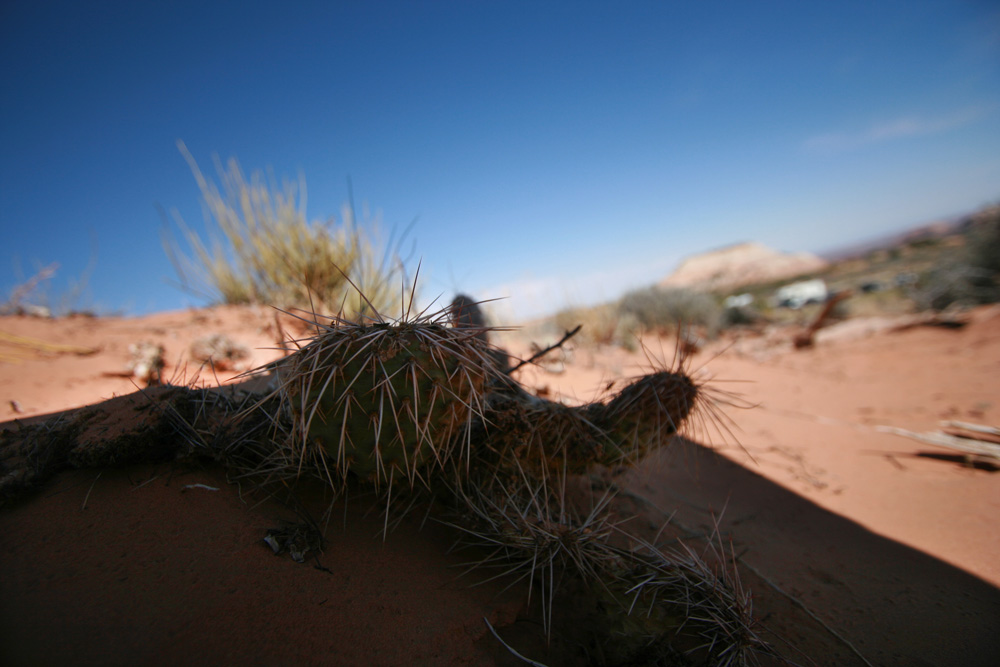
552,153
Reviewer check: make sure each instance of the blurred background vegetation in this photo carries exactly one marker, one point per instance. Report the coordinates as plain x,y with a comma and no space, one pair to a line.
957,269
260,248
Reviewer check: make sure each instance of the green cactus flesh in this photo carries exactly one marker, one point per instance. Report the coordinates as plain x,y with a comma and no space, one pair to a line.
678,598
562,438
386,400
545,438
648,410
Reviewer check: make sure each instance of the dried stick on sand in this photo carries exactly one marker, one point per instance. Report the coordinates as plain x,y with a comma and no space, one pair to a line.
535,357
967,445
972,431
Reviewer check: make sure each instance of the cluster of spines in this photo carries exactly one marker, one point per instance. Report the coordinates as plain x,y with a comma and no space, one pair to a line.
647,411
691,600
382,401
652,600
388,401
516,507
550,439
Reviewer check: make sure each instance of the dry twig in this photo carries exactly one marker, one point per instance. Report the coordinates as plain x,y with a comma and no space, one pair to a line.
538,355
967,445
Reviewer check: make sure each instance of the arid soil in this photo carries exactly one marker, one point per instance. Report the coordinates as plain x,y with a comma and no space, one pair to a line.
860,546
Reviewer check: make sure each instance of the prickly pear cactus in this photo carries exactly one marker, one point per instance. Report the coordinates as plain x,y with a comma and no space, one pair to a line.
646,412
428,400
659,603
386,401
546,438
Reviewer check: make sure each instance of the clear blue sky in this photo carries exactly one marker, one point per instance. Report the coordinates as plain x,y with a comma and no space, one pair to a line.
552,152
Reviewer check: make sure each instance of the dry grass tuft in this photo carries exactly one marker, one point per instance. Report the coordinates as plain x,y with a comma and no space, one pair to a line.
261,248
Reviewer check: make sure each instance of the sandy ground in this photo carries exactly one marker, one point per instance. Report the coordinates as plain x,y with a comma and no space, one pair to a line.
860,546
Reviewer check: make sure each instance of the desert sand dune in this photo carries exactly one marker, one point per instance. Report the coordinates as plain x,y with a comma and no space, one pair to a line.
858,545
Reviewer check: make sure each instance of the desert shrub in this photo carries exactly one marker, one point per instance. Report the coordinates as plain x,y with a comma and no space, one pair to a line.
735,316
664,309
29,296
982,249
971,278
37,296
262,249
601,325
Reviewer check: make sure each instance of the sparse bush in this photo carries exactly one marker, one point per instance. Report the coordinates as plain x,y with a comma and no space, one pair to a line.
269,253
735,316
19,300
983,242
664,309
598,323
974,276
36,296
602,325
627,332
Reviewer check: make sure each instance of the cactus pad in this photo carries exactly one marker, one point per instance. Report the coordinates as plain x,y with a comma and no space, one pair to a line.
386,401
650,409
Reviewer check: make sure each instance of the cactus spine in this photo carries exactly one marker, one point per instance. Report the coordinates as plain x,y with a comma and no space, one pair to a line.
385,401
645,413
428,400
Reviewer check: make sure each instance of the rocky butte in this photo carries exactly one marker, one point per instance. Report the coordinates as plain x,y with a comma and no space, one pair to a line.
741,264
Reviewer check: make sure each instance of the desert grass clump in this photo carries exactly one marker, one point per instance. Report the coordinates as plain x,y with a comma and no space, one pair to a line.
262,249
663,309
35,296
602,324
973,276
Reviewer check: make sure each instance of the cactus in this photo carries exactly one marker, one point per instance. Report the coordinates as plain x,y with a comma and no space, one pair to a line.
549,438
543,437
430,400
647,411
657,600
385,401
531,534
650,604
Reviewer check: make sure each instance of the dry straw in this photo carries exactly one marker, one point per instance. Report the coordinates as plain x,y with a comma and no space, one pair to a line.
261,248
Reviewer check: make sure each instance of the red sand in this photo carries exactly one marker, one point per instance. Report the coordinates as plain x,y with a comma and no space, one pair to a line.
887,542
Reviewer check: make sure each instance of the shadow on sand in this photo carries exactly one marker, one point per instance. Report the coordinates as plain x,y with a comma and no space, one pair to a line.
895,605
153,564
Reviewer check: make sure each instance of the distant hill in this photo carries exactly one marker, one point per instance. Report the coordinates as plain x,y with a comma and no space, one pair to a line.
938,229
741,264
933,230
